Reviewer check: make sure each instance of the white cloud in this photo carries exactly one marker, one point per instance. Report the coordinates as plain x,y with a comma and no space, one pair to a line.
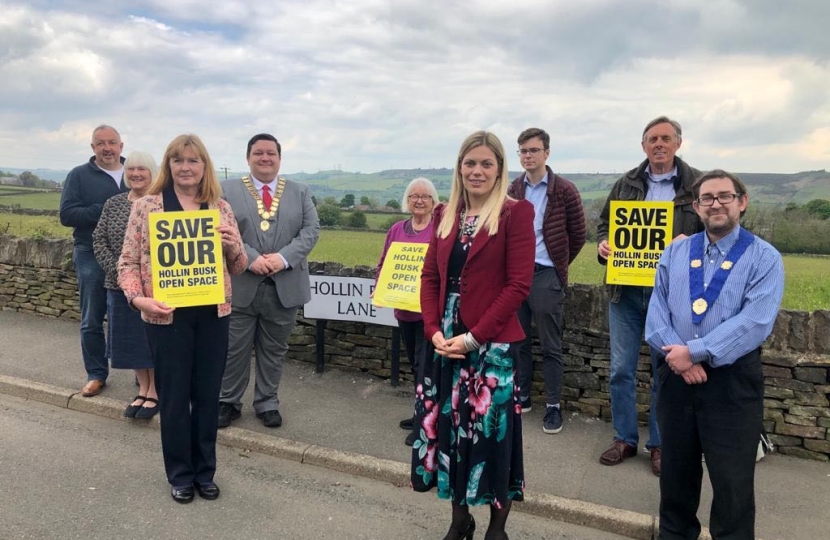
372,84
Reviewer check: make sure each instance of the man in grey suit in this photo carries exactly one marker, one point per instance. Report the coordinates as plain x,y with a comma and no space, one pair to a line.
279,228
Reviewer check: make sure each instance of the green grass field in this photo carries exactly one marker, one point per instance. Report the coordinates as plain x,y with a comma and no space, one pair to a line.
43,200
806,288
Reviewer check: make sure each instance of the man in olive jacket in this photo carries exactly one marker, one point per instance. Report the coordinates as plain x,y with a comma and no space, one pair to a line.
560,234
661,177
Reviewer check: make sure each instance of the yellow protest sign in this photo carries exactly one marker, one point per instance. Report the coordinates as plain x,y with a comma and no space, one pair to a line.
186,258
638,233
399,283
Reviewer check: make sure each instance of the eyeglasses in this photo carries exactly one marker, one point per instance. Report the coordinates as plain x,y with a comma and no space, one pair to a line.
420,197
526,151
724,198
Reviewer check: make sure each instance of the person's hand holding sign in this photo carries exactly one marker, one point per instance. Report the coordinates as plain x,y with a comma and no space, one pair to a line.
230,236
151,306
603,249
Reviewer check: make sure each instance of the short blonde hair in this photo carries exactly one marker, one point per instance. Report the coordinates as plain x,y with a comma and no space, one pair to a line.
140,159
420,181
209,189
489,217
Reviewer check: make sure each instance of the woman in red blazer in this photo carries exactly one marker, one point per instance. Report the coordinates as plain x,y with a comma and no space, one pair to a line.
477,272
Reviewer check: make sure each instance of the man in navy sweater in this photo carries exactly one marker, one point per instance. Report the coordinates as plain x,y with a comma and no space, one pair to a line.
86,189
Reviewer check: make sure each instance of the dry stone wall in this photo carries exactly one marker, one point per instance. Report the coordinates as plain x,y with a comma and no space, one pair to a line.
37,276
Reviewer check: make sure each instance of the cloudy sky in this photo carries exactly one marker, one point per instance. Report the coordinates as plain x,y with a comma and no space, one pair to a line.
366,85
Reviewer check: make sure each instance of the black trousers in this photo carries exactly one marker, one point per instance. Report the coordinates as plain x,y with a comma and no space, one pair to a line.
412,333
721,419
189,357
545,305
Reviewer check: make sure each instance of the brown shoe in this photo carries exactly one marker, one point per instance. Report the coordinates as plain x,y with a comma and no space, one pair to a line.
656,454
93,388
619,452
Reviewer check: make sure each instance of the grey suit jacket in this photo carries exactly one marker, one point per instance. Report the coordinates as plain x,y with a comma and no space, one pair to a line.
293,234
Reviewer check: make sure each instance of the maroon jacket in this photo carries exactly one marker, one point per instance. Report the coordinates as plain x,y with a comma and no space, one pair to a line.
563,227
495,279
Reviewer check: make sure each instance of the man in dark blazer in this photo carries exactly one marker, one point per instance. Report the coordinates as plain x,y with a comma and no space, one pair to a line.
279,227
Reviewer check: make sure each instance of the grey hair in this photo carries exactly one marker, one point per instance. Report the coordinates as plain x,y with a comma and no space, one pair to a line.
426,182
104,126
140,159
678,131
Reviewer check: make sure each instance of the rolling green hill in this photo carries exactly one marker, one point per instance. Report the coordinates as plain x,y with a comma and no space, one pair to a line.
765,188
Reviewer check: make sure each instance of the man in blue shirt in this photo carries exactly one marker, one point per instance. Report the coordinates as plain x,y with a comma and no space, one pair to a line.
715,300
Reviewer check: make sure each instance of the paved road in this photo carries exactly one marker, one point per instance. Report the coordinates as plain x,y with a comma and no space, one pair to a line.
68,475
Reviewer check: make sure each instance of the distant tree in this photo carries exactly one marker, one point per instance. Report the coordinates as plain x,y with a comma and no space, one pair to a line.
443,198
388,223
357,220
364,201
329,215
28,179
392,203
818,208
791,207
330,200
347,201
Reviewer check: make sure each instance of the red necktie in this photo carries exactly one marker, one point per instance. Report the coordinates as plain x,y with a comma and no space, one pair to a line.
266,197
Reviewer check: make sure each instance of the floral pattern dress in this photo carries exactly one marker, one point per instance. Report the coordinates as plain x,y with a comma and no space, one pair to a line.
470,441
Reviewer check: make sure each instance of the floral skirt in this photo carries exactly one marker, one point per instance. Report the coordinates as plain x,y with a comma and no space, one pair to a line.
470,440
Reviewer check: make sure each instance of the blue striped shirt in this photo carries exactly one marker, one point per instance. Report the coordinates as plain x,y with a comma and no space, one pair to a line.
537,195
738,321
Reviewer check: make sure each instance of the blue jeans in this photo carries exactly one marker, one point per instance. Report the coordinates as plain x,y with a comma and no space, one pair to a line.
626,322
93,308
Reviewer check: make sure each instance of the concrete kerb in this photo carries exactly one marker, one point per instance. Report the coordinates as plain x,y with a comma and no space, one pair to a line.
44,393
605,518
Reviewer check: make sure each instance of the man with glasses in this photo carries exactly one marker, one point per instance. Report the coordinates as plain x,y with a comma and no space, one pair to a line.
559,224
715,300
662,176
279,227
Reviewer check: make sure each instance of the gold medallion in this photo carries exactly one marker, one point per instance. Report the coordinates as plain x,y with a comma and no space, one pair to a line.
265,225
696,263
700,306
265,215
726,265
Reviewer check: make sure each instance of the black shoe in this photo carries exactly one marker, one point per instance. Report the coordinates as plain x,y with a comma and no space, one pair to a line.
208,490
131,409
145,413
553,421
527,406
270,418
227,414
466,534
182,495
407,423
411,438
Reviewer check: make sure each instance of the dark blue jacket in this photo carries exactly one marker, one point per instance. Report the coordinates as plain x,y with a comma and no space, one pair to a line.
86,189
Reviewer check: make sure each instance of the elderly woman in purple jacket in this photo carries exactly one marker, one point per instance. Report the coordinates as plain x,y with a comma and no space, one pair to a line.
419,200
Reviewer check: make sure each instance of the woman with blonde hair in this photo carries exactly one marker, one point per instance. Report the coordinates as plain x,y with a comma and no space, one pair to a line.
189,345
478,270
127,346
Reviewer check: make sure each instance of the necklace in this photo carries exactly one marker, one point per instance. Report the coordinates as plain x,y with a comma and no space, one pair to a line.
265,213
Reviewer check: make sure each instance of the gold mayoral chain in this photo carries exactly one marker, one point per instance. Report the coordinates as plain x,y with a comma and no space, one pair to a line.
265,214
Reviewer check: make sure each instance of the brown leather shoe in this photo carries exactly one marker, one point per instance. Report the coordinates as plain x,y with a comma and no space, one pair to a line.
656,454
93,388
619,452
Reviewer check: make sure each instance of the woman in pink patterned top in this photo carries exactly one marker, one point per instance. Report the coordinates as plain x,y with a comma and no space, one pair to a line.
419,199
189,345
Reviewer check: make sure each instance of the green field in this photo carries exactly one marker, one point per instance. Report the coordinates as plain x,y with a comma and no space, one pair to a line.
42,200
376,221
806,288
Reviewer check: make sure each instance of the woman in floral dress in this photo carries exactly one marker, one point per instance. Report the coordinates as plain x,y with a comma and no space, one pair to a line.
477,271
